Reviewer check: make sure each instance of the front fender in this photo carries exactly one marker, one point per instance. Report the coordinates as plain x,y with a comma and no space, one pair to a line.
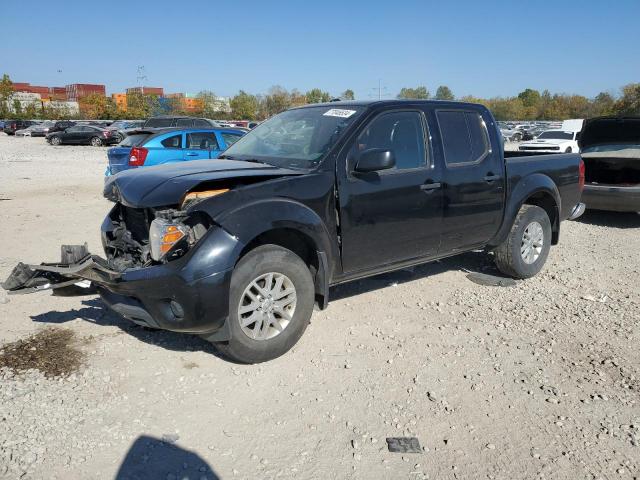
249,220
519,192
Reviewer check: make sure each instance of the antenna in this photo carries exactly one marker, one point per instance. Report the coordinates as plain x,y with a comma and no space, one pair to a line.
141,76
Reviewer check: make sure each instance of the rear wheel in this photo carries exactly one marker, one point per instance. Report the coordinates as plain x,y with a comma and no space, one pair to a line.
525,251
96,142
270,303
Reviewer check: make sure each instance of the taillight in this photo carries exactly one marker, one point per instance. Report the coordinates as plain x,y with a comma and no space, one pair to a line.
137,156
106,133
581,171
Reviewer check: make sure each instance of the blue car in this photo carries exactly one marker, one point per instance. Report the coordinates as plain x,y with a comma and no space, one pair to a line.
157,146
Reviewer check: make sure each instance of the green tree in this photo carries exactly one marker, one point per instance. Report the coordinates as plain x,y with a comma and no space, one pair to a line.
529,97
444,93
244,106
6,90
315,95
629,103
17,108
210,104
348,95
414,93
96,106
602,104
277,100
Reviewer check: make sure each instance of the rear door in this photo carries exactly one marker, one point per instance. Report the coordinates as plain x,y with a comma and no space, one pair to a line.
391,215
201,145
474,178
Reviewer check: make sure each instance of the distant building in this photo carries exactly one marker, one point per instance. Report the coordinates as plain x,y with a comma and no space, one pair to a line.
121,101
58,93
159,91
44,92
24,99
78,91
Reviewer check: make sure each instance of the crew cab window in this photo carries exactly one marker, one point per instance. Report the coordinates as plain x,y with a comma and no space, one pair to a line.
172,142
464,136
230,138
202,141
400,132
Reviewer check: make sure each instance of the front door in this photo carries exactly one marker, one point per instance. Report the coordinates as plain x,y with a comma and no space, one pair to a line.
201,145
391,215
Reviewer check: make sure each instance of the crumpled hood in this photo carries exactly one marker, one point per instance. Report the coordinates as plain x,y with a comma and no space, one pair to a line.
165,185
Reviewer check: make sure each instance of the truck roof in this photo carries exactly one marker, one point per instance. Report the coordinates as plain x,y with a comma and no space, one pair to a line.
394,102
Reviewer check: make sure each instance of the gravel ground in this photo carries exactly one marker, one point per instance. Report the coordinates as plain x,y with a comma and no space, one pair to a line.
540,379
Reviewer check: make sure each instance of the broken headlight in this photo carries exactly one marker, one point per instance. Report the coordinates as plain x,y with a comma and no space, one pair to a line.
164,234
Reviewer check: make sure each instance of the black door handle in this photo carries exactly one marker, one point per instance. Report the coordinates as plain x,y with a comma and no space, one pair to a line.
430,186
491,177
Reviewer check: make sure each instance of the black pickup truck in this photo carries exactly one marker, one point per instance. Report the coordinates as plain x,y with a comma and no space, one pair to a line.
240,249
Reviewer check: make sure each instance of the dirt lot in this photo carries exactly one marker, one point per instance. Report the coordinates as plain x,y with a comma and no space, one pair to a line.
541,379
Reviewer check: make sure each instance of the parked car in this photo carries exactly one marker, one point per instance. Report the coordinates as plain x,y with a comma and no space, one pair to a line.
35,130
238,250
82,135
61,126
120,127
147,147
166,121
553,141
11,126
611,152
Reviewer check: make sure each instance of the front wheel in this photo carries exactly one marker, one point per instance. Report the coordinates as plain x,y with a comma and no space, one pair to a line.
56,141
270,303
568,150
96,142
525,250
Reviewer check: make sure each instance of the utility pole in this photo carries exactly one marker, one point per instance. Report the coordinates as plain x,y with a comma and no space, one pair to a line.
382,91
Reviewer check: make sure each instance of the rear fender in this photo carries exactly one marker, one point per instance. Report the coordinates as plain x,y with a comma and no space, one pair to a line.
524,189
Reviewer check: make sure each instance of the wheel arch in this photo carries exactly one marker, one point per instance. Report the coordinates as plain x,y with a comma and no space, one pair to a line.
536,189
289,224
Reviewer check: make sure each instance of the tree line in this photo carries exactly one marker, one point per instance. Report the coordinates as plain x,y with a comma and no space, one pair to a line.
532,104
529,104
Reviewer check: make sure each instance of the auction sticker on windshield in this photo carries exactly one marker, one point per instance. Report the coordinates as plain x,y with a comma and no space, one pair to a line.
337,112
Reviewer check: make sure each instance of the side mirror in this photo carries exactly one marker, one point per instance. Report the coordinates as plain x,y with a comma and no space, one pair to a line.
375,159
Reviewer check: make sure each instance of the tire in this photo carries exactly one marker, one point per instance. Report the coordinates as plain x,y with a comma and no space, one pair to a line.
517,137
512,256
96,141
56,141
568,150
258,265
119,137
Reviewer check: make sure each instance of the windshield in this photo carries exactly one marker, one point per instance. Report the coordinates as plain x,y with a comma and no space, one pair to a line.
557,135
296,138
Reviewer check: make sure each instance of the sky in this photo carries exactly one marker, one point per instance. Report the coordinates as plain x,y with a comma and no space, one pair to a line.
481,48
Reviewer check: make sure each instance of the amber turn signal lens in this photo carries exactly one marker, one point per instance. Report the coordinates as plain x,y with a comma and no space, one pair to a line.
194,196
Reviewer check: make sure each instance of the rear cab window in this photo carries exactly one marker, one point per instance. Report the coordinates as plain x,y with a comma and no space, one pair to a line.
465,139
